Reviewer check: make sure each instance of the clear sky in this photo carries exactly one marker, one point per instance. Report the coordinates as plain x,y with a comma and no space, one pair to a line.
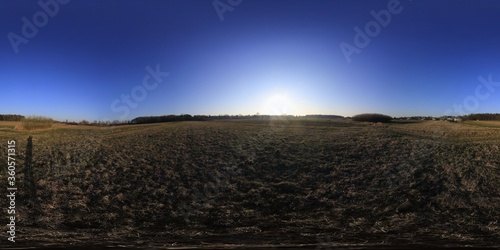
87,59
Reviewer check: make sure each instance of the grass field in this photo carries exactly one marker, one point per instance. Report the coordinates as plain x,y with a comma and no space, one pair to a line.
288,181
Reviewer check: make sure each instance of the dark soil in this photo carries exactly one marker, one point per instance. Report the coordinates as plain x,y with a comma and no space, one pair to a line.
309,183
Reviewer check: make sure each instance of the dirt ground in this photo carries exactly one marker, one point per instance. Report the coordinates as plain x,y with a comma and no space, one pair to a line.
307,183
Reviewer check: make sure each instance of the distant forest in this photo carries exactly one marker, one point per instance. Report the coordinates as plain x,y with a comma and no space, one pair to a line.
14,118
483,117
187,117
169,118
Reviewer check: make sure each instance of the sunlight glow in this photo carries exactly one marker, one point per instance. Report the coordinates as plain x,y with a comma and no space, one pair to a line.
278,104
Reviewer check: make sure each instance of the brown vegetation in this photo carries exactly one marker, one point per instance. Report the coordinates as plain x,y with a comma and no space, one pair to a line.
291,181
36,122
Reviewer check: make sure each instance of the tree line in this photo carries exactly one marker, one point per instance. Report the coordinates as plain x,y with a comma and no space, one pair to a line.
187,117
483,117
168,118
325,116
14,118
372,118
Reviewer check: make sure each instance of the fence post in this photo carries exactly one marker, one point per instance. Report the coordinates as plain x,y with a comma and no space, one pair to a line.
29,179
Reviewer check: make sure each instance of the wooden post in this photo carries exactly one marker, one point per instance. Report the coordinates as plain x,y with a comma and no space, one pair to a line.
29,179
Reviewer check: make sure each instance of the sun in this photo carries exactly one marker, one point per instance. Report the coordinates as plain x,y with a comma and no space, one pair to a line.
278,105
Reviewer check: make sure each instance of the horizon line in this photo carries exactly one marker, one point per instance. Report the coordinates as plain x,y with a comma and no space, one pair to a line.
237,115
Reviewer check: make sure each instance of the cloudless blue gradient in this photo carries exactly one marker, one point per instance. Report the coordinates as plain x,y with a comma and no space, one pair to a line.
266,56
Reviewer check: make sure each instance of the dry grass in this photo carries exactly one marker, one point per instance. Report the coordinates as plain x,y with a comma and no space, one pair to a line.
488,124
284,182
36,123
6,126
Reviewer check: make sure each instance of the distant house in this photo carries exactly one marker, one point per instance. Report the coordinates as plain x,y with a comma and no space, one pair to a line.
454,119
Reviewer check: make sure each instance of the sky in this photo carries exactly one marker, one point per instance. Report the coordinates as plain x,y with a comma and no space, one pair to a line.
120,59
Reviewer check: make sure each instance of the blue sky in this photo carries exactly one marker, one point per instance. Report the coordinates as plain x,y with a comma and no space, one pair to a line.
265,56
